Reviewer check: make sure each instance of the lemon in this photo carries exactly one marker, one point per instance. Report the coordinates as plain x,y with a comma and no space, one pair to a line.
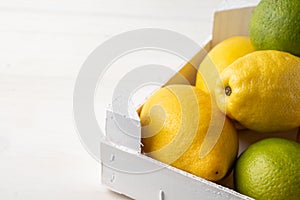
262,91
182,127
269,169
219,58
275,25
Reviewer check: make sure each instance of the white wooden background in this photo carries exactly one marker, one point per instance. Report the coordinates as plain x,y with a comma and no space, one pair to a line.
42,46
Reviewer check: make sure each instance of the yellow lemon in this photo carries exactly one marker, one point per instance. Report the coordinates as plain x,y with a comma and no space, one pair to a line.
219,58
182,127
262,91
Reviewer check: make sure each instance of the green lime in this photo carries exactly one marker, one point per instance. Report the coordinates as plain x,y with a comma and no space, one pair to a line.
269,169
275,25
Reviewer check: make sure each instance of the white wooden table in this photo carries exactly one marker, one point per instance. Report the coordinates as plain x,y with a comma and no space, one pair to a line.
43,44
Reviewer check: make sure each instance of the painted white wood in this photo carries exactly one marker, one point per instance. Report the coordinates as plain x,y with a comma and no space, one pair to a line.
143,178
129,168
43,44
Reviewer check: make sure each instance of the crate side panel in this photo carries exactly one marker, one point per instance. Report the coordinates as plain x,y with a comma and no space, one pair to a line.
187,74
145,184
228,23
123,131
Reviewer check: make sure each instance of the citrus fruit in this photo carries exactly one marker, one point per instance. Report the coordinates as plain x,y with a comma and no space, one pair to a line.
219,58
275,25
269,169
182,127
262,91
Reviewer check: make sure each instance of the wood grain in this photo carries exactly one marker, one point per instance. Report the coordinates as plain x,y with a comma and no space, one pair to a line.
43,45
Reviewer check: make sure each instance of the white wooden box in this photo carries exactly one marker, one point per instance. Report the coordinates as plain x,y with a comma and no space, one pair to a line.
125,170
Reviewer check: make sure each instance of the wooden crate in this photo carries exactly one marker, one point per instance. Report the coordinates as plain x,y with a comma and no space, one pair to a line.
121,159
